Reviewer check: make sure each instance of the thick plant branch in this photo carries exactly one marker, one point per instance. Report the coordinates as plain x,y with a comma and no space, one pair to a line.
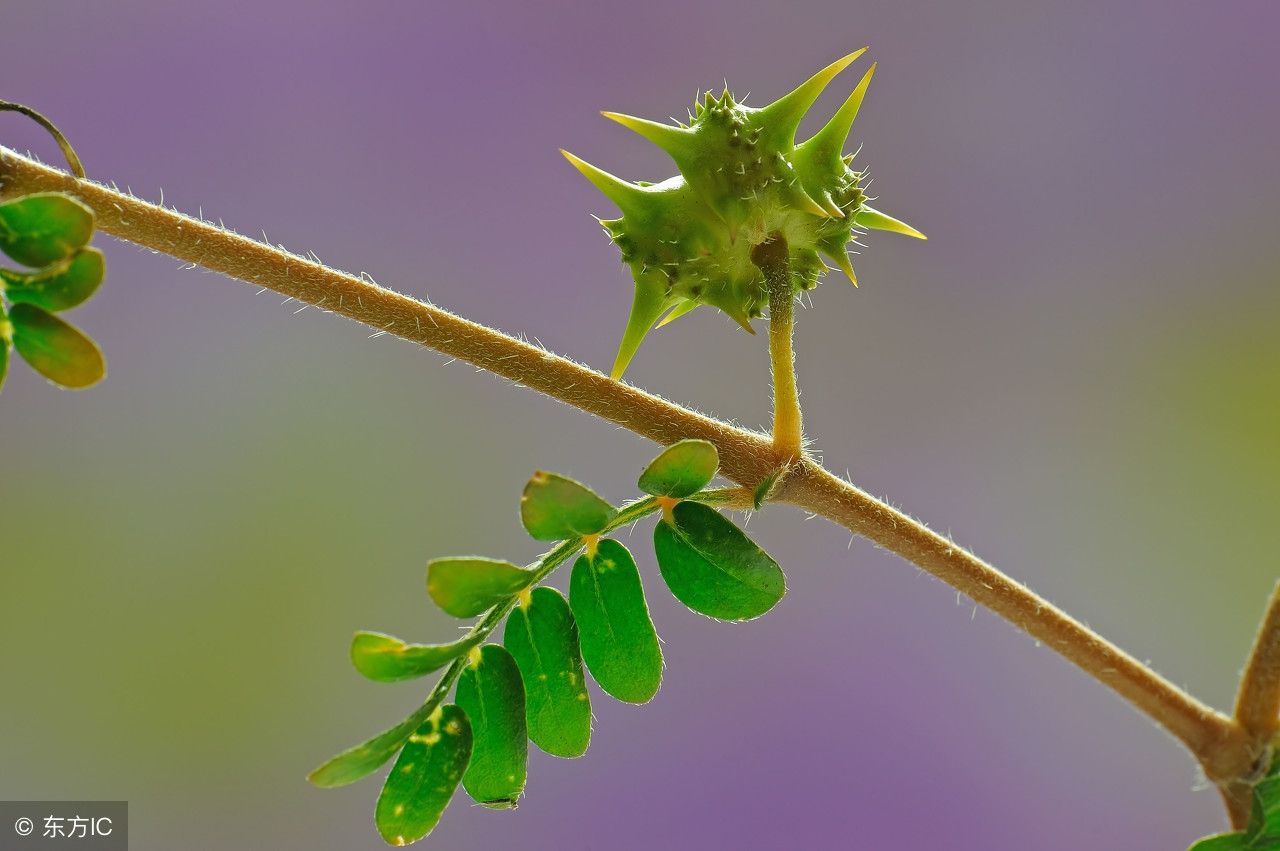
746,456
1209,734
1218,742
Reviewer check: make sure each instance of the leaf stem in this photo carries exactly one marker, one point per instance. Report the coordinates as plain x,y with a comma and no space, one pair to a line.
772,259
1217,741
73,160
734,497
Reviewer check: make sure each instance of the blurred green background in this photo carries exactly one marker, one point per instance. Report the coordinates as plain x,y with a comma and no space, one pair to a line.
1078,376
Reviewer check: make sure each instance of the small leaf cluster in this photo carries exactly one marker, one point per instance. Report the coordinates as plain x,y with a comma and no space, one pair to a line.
49,233
1263,830
743,181
532,685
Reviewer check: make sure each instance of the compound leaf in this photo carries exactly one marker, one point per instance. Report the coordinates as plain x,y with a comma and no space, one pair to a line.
424,777
681,470
58,287
467,586
387,659
712,567
619,643
54,348
554,508
43,228
491,692
543,638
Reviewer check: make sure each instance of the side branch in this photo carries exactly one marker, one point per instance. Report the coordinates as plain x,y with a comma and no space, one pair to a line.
1257,711
1258,701
1218,742
772,259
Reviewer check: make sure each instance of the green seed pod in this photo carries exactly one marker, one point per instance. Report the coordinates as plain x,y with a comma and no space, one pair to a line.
743,181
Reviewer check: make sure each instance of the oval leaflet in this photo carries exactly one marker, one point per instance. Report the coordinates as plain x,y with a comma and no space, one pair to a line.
424,777
491,692
554,508
543,638
56,349
465,587
619,643
387,659
712,567
683,469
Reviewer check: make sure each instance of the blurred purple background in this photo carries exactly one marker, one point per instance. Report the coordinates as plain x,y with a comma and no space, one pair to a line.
1078,376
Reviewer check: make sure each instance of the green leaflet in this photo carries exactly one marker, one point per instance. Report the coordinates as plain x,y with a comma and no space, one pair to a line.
712,567
681,470
43,228
543,639
619,643
54,348
467,586
424,777
387,659
355,763
58,287
491,692
4,352
554,508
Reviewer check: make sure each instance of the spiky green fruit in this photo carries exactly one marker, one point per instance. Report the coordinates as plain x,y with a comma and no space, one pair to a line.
743,181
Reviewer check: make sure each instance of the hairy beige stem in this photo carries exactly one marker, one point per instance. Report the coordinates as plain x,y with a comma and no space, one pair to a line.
773,260
1206,732
1258,701
1258,709
1217,741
